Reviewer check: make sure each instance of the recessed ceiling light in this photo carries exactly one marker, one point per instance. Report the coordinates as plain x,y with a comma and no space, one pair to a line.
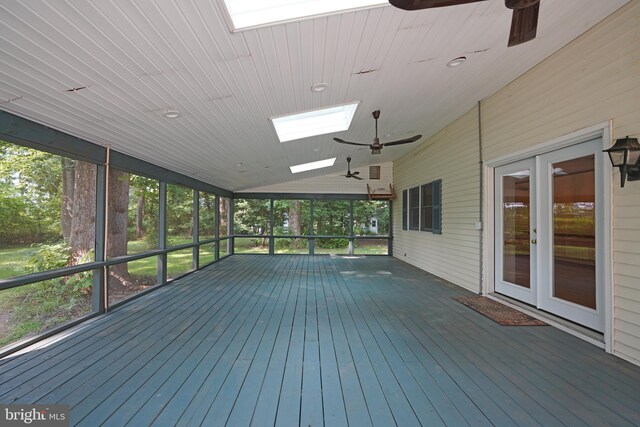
313,165
457,61
252,13
315,150
319,87
316,122
171,114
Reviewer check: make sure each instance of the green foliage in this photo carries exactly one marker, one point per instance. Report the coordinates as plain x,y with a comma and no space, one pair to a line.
49,257
179,212
331,218
366,210
15,224
283,221
149,191
281,244
251,216
42,305
292,246
207,216
30,195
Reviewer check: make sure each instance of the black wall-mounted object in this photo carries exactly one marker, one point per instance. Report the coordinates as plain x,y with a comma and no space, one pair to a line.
625,155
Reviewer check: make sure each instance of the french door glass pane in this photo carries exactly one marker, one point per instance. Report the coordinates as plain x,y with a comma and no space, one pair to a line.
516,263
574,231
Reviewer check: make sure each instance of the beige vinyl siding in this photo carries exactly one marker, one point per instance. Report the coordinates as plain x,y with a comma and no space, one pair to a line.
334,183
452,156
593,79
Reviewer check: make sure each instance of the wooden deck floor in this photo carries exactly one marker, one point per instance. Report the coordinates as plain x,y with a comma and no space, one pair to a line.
310,341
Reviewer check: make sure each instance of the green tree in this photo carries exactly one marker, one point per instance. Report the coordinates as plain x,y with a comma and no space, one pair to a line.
143,209
179,213
367,210
31,180
331,217
251,216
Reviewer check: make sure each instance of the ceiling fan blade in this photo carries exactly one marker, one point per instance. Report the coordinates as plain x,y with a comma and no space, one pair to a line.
524,25
427,4
403,141
356,177
342,141
356,173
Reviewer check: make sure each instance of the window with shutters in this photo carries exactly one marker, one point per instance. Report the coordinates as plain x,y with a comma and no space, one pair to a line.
422,207
430,211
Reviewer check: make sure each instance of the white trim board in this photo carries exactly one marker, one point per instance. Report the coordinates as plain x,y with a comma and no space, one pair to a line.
576,137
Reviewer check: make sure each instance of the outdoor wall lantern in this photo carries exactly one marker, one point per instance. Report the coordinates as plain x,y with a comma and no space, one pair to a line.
625,155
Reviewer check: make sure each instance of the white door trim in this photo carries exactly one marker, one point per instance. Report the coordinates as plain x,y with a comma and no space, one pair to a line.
603,130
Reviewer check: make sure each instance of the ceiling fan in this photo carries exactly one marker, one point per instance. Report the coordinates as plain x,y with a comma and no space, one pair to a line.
376,147
524,21
349,173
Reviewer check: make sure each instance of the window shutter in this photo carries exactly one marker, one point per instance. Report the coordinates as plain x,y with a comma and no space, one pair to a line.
404,209
437,207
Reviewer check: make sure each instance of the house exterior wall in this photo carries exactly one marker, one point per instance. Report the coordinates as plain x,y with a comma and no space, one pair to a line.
452,156
594,79
334,183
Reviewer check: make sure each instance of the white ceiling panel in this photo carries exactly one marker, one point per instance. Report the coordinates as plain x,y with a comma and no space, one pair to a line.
138,59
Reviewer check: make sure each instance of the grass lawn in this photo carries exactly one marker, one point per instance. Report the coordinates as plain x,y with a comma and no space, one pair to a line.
12,260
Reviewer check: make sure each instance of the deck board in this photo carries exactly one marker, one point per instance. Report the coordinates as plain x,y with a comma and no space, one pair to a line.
319,340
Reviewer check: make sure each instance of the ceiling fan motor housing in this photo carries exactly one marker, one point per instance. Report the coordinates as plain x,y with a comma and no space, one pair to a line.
519,4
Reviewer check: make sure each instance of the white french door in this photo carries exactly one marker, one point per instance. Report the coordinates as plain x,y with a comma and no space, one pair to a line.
549,232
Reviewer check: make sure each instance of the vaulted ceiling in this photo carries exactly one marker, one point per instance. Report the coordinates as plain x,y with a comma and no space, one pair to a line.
136,59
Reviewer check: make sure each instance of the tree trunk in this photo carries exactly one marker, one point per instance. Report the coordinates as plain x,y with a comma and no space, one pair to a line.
82,236
140,216
118,221
68,184
295,221
224,224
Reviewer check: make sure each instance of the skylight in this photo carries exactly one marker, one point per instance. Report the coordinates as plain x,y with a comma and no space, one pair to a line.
252,13
313,165
312,123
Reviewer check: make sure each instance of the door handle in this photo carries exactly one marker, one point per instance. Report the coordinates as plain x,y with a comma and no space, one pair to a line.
534,241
